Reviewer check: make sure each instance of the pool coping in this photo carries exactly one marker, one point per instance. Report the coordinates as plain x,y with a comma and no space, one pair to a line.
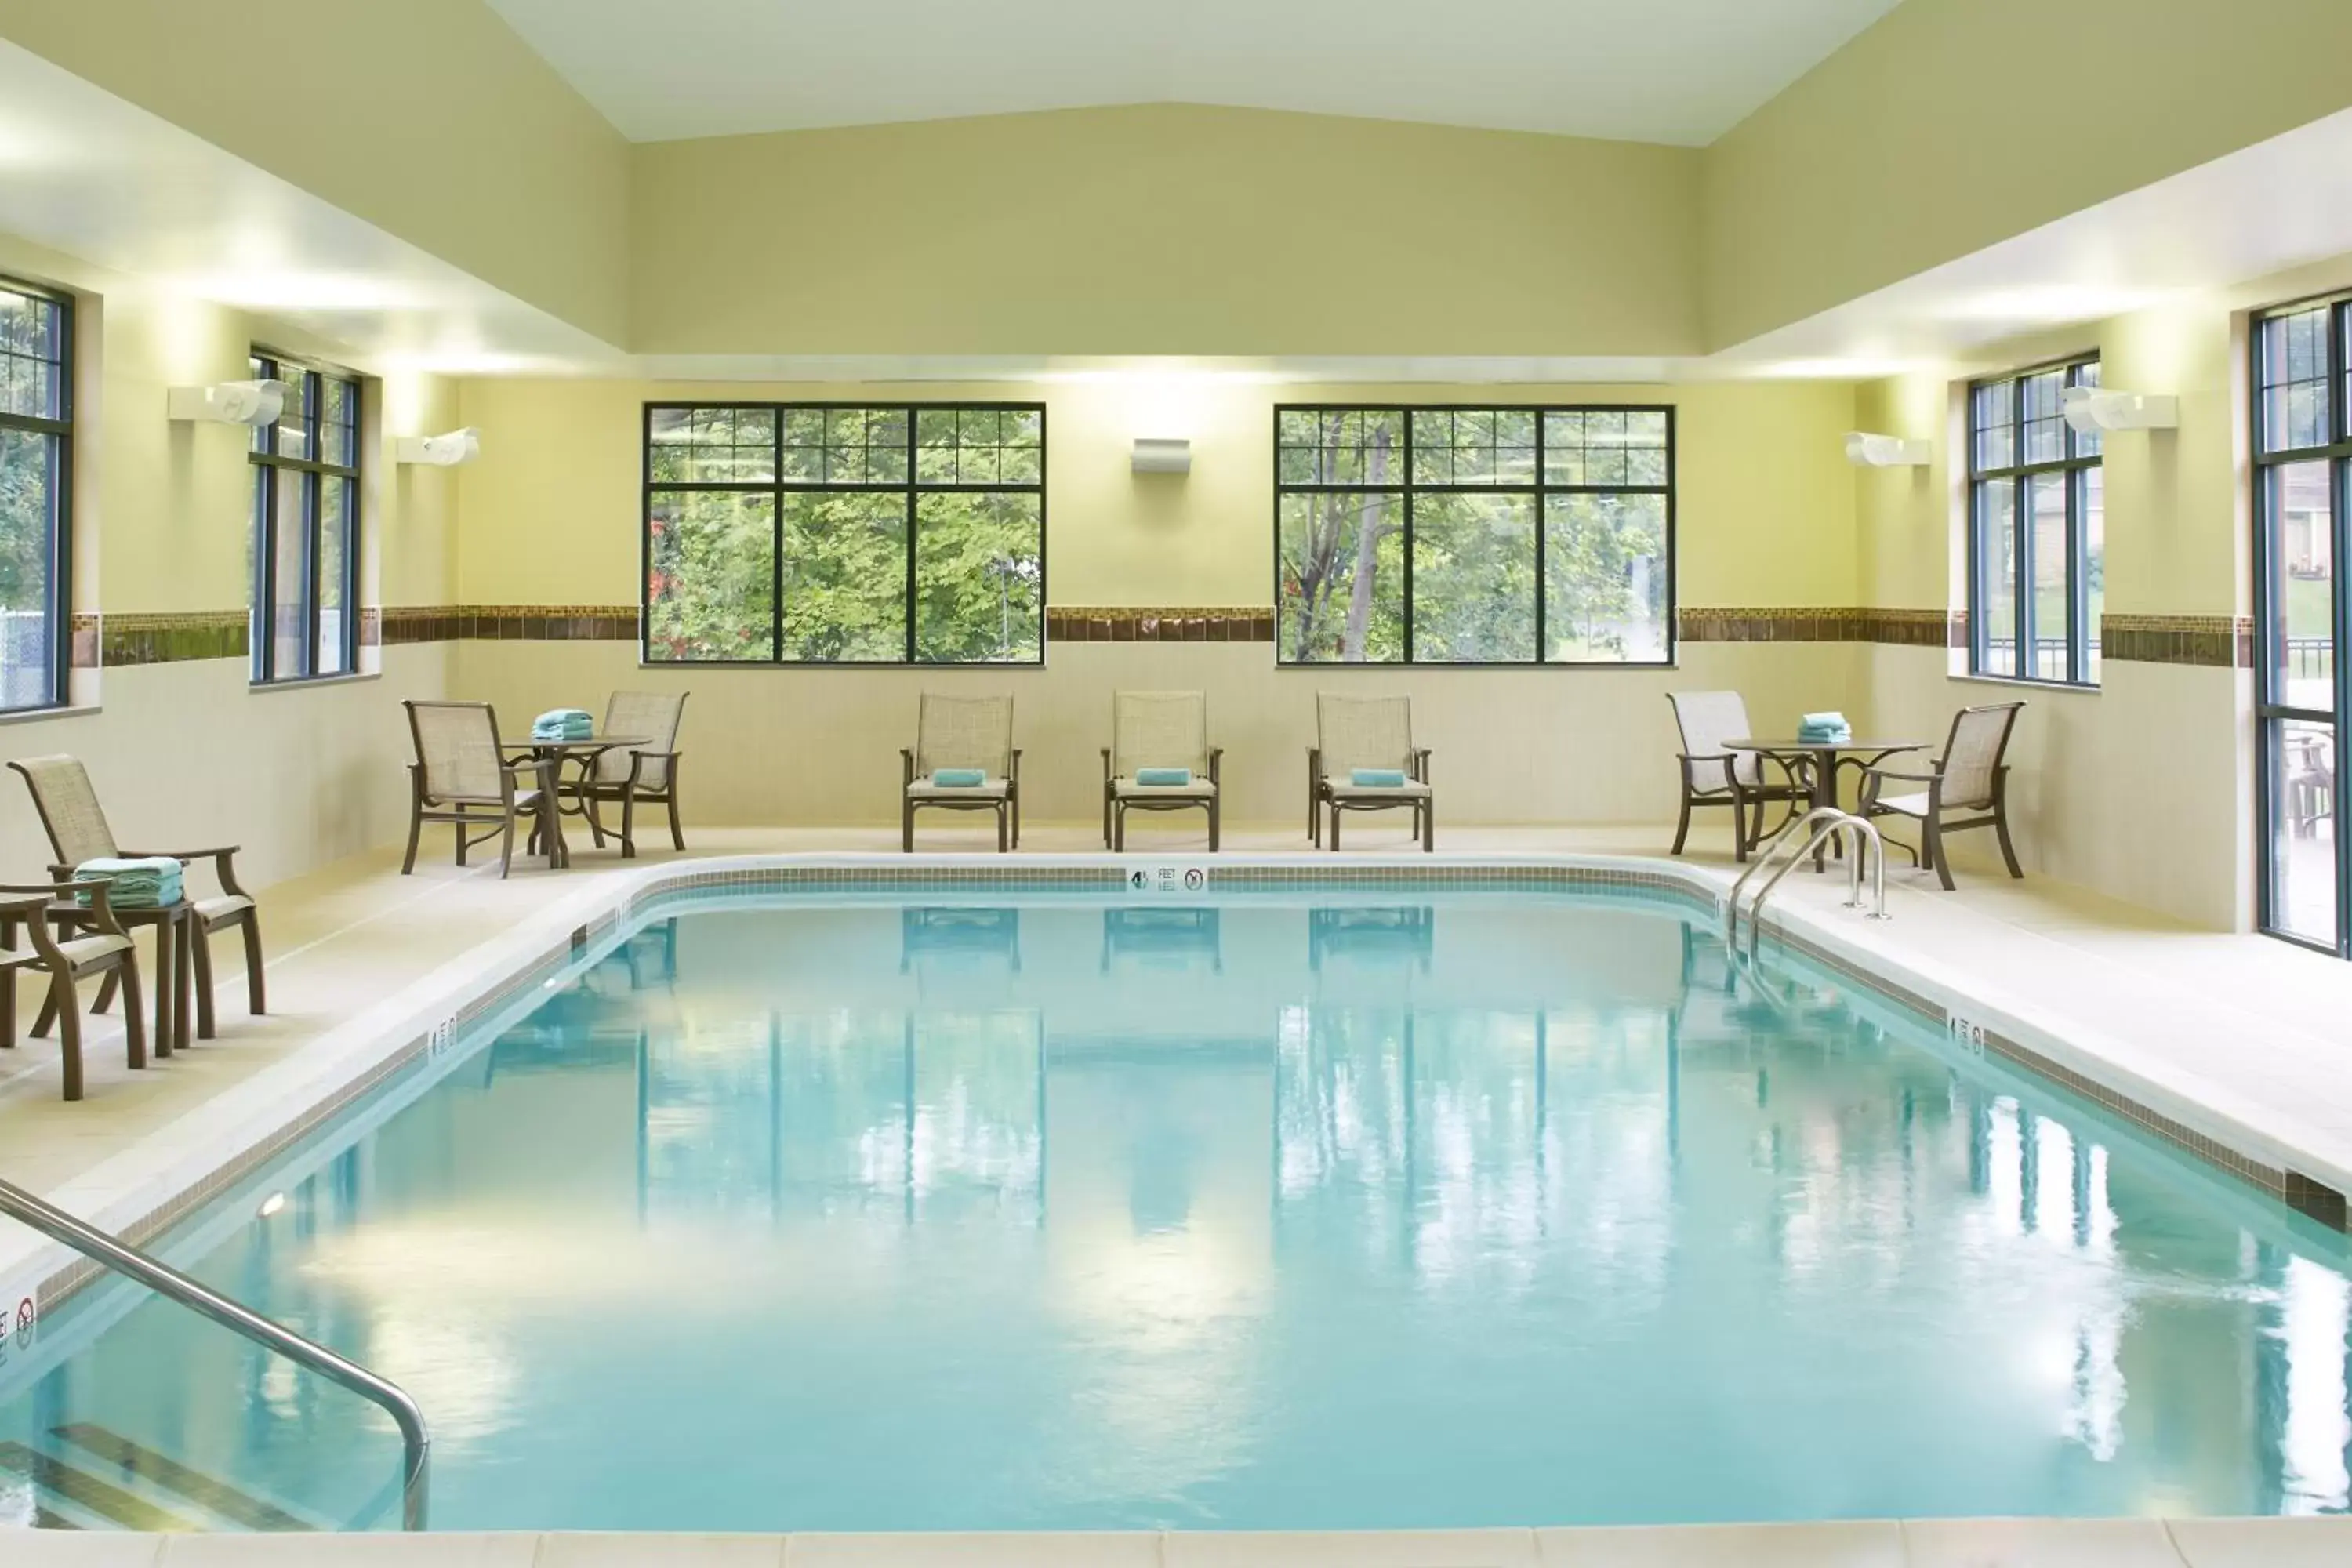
143,1192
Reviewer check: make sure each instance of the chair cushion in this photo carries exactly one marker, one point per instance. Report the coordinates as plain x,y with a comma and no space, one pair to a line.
924,789
84,950
1411,789
229,906
1128,789
1906,805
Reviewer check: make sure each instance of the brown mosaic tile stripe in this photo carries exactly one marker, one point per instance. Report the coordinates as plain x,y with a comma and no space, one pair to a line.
505,622
1127,624
1903,628
2220,642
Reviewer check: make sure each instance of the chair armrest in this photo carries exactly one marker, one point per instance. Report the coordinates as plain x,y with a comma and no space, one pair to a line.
1421,763
223,861
1106,755
1897,773
1216,760
1016,765
907,766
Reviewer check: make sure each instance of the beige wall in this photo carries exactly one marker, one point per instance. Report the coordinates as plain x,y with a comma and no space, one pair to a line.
1765,517
186,754
429,118
1164,229
1952,124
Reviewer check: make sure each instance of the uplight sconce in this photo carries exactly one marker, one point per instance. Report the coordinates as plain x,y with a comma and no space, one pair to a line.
2095,410
445,451
1865,449
1162,455
251,402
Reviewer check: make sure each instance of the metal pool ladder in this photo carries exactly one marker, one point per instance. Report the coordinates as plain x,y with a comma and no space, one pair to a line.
1824,825
165,1281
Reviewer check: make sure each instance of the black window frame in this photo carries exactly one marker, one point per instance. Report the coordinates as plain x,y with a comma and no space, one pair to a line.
778,486
1539,487
60,431
2079,456
308,380
2271,713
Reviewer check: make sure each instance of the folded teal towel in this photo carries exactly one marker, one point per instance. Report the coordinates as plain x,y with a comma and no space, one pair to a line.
1377,778
563,724
959,778
1824,720
1163,775
144,884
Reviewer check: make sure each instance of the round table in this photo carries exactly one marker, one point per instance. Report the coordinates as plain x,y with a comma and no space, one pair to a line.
550,756
1825,758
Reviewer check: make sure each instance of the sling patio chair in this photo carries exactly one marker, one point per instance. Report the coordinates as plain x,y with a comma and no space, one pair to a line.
1713,775
1364,759
461,777
77,830
646,772
1970,776
1156,734
106,950
969,740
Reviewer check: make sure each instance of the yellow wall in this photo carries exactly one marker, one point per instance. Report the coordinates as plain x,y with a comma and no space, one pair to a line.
1951,124
1765,516
186,754
1164,229
429,118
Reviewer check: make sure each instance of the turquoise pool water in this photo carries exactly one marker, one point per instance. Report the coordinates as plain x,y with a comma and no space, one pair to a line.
1374,1211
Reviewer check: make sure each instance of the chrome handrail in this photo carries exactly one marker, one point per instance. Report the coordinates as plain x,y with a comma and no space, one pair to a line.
1791,831
1822,824
165,1281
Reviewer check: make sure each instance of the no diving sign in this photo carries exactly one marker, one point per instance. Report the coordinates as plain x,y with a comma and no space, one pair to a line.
1168,877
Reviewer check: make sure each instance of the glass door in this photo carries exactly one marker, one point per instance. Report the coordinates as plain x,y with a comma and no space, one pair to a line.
2303,449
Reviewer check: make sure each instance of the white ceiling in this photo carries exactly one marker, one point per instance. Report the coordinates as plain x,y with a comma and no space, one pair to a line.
1646,70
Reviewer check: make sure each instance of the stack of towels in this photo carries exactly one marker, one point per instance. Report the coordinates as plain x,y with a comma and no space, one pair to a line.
145,884
1824,730
563,724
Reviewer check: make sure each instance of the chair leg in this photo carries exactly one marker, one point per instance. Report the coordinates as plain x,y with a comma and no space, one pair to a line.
1931,848
1003,828
461,838
2008,850
200,955
1106,810
1335,826
1429,827
1119,832
253,992
1012,799
906,827
105,997
416,831
596,820
1216,811
628,822
135,1024
669,796
506,848
63,1003
1682,826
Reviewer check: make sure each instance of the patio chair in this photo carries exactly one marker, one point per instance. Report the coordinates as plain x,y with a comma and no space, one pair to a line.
1713,775
647,773
1373,734
1970,777
106,950
1158,729
77,830
963,734
462,777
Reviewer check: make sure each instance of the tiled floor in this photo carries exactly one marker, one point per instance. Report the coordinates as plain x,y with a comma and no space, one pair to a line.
2242,1024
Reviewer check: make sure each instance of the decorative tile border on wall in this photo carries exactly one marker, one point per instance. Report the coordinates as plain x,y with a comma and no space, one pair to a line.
505,622
1902,628
168,637
2220,642
1244,623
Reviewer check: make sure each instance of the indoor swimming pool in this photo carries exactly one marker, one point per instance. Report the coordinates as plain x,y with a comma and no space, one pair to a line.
1279,1209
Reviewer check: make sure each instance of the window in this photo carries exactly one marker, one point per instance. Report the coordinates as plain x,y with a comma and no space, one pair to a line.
1473,535
303,554
807,533
36,482
2037,531
2302,449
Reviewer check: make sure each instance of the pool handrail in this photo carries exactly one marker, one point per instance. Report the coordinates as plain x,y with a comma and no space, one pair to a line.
1822,824
167,1281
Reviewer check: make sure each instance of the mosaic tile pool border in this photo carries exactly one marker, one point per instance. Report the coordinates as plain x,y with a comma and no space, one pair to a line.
2298,1191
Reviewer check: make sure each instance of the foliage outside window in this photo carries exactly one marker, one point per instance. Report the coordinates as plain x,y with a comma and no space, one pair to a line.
2303,463
302,554
1470,535
2037,551
806,533
36,480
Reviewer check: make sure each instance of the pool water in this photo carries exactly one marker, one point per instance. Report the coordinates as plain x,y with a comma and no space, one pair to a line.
1049,1213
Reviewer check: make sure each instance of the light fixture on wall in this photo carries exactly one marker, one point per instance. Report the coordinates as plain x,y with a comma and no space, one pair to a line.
2095,410
444,451
255,402
1162,455
1865,449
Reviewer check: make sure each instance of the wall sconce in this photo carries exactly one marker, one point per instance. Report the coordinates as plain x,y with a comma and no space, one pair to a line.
1162,455
253,403
1866,450
445,451
2095,410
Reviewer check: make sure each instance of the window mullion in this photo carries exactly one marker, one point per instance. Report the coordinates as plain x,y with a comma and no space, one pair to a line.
1543,641
1405,477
